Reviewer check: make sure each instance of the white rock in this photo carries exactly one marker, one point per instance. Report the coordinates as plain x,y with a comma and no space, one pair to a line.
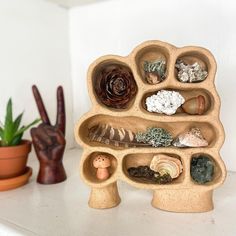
164,101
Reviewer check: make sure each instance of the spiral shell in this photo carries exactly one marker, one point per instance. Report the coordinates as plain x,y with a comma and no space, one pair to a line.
164,164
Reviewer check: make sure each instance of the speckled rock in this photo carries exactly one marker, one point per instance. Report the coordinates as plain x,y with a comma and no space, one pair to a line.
202,169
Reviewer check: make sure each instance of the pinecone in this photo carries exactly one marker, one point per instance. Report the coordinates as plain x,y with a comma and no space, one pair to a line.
115,86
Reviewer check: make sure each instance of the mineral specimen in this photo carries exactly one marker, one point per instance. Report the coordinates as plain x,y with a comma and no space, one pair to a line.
155,71
115,86
164,101
202,169
192,138
146,174
157,137
190,73
164,164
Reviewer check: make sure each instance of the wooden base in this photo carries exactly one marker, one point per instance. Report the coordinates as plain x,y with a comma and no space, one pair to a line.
183,200
102,198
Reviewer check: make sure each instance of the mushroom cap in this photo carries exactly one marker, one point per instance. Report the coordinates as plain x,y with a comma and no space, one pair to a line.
101,161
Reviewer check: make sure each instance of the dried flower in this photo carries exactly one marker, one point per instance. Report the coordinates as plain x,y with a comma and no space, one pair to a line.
115,86
157,137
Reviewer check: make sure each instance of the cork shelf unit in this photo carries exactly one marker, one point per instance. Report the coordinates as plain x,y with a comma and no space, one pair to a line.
182,194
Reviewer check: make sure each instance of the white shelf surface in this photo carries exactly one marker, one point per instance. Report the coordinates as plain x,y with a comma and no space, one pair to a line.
62,210
74,3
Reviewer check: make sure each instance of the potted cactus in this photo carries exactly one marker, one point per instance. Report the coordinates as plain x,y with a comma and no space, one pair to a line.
13,149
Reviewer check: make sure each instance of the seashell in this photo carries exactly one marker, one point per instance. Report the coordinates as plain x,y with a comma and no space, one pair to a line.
192,138
164,164
195,105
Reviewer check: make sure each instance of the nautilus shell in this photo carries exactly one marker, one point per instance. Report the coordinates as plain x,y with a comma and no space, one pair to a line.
164,164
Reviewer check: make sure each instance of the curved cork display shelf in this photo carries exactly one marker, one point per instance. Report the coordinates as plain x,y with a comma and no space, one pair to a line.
182,194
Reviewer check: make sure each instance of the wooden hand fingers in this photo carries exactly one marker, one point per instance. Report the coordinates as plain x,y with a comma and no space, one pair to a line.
40,105
61,115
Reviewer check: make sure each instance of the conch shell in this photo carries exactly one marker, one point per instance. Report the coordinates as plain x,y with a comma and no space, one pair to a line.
164,164
195,105
192,138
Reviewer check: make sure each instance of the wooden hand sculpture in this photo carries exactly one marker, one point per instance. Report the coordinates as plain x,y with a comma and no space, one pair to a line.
49,141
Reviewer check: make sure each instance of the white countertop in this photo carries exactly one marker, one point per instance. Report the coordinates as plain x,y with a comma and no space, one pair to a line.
62,210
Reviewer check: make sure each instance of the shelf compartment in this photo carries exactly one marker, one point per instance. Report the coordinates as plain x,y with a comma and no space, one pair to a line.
137,124
192,56
114,85
144,159
217,175
187,94
89,171
151,53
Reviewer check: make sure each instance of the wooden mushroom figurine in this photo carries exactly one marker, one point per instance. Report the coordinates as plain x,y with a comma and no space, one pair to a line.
101,163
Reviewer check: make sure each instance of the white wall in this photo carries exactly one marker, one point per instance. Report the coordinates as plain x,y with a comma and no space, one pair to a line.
34,49
116,27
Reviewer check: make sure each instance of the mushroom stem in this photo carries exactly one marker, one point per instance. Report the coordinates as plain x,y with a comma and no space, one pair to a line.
102,173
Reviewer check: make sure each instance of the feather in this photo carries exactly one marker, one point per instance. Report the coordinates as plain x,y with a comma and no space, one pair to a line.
118,137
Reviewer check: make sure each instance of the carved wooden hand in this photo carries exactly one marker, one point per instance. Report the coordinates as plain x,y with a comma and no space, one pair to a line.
49,141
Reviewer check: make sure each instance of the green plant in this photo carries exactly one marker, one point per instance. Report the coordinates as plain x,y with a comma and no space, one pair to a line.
11,132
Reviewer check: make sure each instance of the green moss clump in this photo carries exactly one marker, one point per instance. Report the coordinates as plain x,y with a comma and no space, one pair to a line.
157,137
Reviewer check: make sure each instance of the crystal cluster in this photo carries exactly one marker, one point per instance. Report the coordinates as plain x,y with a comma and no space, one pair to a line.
190,73
157,137
165,101
202,169
155,71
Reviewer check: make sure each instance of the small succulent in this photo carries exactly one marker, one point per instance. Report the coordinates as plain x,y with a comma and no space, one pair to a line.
11,132
157,137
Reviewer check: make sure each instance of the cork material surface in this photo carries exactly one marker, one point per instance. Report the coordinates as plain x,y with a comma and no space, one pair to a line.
182,194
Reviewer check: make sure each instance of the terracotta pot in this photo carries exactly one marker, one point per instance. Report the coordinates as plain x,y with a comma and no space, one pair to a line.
13,159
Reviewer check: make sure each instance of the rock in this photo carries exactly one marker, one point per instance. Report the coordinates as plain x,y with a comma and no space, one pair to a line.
192,138
164,101
155,71
190,73
202,169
